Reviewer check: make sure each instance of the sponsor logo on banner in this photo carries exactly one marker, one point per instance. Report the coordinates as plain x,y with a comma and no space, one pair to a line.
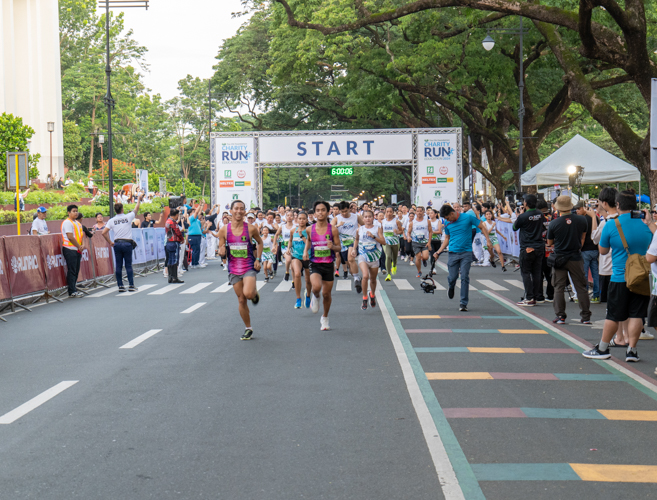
226,184
236,153
445,179
22,264
236,197
429,170
440,150
102,252
241,174
228,174
55,261
239,184
428,180
443,170
85,255
436,194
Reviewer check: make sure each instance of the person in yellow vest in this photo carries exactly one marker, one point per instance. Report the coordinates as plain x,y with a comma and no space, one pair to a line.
73,244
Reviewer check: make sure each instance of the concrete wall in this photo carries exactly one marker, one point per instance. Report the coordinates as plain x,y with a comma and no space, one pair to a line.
30,74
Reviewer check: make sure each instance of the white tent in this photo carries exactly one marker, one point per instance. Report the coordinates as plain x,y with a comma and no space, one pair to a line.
599,166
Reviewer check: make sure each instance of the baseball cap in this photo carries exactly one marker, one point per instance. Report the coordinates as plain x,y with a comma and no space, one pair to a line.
42,210
580,204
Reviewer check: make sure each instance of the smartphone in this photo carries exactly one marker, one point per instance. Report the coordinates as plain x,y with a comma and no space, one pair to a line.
638,214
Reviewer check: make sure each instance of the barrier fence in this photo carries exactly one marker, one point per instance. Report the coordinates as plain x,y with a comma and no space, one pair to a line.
33,268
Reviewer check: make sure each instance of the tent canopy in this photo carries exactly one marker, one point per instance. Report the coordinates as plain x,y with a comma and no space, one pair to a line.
599,166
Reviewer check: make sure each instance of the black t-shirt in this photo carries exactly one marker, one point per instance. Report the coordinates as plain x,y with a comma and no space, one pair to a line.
566,231
588,242
530,227
213,220
146,224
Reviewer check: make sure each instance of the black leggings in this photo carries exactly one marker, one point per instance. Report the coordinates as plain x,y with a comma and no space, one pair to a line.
435,246
409,249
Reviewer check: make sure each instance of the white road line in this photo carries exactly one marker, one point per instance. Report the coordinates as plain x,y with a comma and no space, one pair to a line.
470,287
516,283
403,284
492,285
222,289
260,284
140,289
285,286
193,308
103,293
343,286
439,286
195,288
166,289
35,402
442,266
447,477
140,339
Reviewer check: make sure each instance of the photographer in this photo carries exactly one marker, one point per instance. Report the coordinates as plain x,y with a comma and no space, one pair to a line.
567,233
530,224
172,248
631,231
590,252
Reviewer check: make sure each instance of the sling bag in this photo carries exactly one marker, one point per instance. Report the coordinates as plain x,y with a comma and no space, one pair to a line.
637,269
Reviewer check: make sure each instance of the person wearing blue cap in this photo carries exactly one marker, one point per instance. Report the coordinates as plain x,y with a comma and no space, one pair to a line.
39,226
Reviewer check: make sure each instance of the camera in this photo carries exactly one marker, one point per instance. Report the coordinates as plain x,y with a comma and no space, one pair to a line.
638,214
175,202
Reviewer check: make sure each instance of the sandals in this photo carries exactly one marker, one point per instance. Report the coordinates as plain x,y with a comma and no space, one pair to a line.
614,344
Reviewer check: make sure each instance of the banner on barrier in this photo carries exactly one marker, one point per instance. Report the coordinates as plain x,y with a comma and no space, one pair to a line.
150,253
161,238
5,292
25,265
102,255
138,254
51,250
86,271
507,238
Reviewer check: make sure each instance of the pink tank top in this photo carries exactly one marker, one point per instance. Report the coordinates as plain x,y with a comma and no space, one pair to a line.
321,254
240,251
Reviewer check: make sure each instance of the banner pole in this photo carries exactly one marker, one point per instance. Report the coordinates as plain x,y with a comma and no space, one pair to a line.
18,201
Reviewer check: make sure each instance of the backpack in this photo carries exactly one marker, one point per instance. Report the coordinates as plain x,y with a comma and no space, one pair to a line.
637,269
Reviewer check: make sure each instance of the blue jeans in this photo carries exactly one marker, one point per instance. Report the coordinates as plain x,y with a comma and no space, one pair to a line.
590,258
123,254
460,262
195,243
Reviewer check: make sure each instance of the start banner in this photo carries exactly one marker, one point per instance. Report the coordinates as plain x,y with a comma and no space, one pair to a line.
26,270
5,292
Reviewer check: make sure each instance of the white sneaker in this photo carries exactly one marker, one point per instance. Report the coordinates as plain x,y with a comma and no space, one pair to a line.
314,303
202,266
324,324
646,336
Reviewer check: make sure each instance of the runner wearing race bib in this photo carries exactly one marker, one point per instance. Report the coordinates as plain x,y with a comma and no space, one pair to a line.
347,224
296,249
392,228
420,233
436,232
369,240
491,225
268,251
283,237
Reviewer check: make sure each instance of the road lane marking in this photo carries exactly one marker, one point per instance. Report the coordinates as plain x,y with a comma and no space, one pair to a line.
402,284
492,285
590,377
35,402
223,288
190,310
497,350
260,284
195,288
616,473
343,286
470,287
140,339
516,283
140,289
166,289
103,293
456,478
611,473
284,286
475,330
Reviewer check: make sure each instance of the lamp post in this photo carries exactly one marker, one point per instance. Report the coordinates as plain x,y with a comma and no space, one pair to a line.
488,44
51,129
108,99
101,141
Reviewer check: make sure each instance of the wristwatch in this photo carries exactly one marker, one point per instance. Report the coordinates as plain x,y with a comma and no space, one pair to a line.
259,259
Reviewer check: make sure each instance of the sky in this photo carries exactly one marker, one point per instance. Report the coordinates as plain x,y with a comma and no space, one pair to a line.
182,37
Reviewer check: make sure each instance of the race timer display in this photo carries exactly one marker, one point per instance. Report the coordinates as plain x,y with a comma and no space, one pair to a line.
342,170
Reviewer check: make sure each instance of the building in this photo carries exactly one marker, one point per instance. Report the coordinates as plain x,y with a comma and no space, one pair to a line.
30,74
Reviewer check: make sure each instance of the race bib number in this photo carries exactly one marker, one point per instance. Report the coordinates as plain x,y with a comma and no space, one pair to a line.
346,240
389,234
322,251
435,237
266,250
239,251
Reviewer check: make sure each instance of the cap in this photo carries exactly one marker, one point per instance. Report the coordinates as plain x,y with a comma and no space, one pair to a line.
580,204
250,216
43,210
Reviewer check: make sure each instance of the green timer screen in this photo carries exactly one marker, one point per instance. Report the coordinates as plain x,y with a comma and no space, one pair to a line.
342,170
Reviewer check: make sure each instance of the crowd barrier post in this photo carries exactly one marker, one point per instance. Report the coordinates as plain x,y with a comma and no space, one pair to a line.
5,292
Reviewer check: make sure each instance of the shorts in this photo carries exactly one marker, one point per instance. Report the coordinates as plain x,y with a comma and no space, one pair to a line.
494,241
344,254
304,263
371,265
236,278
324,269
419,247
623,304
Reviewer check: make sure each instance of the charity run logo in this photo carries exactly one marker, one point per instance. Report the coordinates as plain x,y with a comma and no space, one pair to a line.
439,150
235,153
26,263
55,261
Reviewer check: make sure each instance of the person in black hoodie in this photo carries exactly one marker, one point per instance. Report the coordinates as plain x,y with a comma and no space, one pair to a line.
530,226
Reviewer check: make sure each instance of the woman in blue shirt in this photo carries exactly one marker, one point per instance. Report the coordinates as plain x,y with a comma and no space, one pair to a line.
195,233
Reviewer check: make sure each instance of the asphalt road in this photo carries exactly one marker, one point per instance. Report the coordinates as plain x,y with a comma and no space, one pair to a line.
131,396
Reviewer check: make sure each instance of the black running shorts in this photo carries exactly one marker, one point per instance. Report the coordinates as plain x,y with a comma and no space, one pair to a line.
623,304
325,269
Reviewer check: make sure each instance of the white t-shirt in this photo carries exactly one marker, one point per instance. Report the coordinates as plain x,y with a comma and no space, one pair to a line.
652,250
40,226
121,226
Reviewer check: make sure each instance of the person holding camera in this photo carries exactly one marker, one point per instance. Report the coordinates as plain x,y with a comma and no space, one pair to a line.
567,234
172,248
530,227
590,252
630,233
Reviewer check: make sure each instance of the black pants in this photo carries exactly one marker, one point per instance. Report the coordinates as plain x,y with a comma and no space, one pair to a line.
73,258
547,274
531,268
435,246
604,286
409,249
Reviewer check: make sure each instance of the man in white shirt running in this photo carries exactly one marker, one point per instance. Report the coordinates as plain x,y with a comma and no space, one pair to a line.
121,225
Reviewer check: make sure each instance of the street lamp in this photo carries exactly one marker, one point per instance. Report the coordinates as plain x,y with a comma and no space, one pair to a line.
51,129
488,44
108,99
101,141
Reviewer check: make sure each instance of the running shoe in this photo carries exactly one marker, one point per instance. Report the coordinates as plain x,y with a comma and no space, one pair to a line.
384,272
503,269
314,303
433,272
394,270
337,273
596,353
586,322
132,288
358,285
324,324
121,289
527,303
266,279
418,275
492,263
307,302
287,276
256,299
631,356
646,336
388,278
595,300
345,274
463,308
411,262
450,293
247,335
424,263
372,300
297,305
364,306
559,320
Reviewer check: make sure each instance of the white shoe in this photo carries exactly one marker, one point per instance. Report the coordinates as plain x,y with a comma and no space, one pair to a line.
314,303
324,324
646,336
202,266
